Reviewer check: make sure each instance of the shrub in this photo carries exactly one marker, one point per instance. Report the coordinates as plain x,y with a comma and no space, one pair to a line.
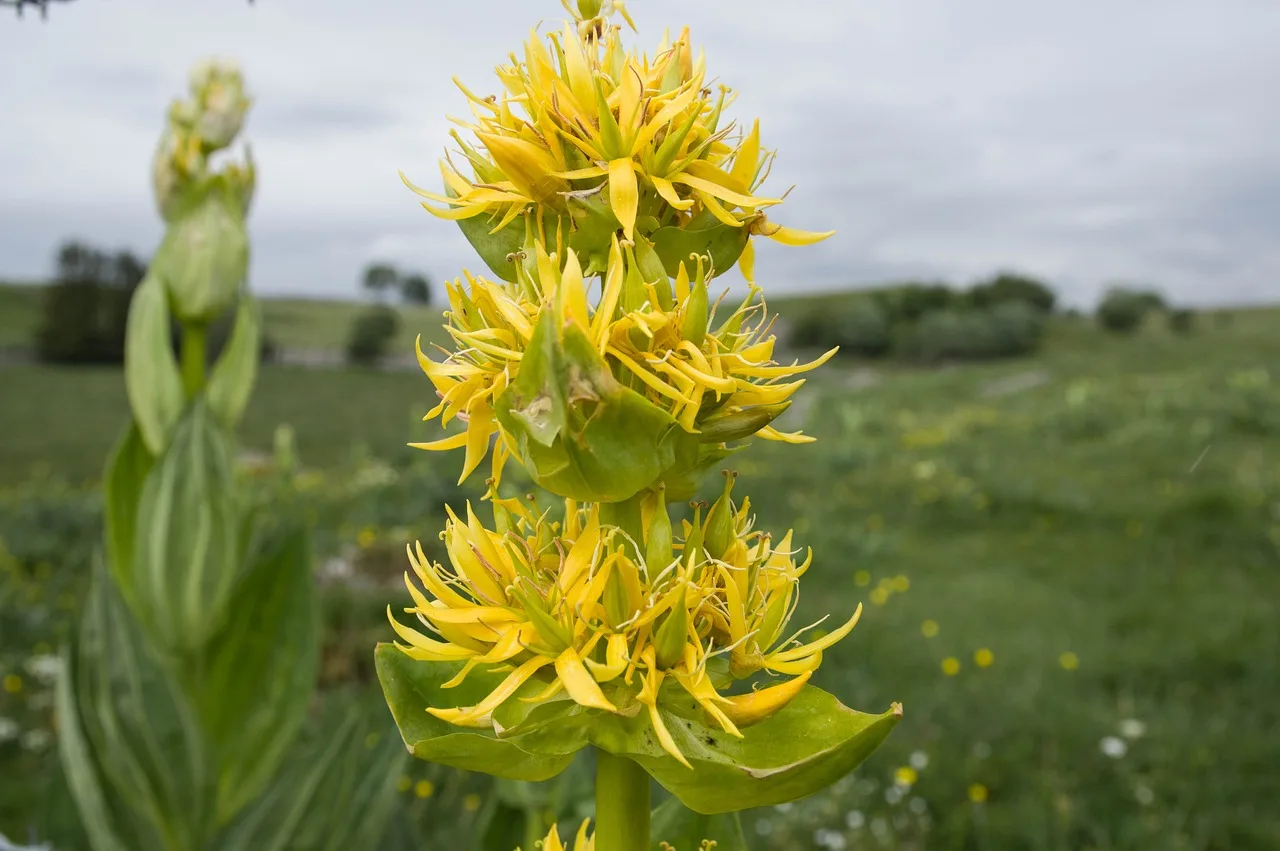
861,328
1182,320
86,309
909,302
1122,310
1008,329
1009,287
371,334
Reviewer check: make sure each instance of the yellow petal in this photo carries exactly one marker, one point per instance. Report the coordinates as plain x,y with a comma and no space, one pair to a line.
747,709
579,683
479,429
624,194
820,644
454,442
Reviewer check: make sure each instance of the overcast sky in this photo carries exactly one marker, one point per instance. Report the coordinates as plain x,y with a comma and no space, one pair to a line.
1086,141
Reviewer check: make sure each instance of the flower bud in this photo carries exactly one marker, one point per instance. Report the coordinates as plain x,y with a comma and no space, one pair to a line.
204,257
217,91
720,532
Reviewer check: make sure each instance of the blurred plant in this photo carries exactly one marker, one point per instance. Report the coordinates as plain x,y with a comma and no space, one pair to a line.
371,334
598,621
188,679
1123,310
86,308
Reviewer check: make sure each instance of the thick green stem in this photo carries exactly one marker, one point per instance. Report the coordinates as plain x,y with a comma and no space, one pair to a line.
622,804
194,340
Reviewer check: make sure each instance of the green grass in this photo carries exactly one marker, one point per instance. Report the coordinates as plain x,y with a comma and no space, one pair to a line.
293,323
1123,506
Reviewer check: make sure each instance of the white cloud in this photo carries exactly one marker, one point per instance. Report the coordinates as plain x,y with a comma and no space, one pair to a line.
1087,141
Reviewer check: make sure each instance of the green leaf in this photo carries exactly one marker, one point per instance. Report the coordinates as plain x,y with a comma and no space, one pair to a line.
703,234
186,554
138,725
494,248
79,765
411,686
231,383
582,434
260,671
151,376
806,746
681,828
122,490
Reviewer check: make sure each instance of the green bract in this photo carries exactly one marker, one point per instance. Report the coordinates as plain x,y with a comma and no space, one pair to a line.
806,746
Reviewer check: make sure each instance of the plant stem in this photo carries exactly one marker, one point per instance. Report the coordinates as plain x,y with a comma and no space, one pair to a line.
533,832
194,340
622,804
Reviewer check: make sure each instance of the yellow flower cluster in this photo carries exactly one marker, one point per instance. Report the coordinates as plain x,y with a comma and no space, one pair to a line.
608,616
653,335
579,114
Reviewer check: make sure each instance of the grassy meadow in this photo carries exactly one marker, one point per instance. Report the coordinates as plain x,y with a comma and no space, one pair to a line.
1070,566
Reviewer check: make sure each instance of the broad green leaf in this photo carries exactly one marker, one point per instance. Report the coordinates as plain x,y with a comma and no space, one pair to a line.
138,724
680,827
151,376
231,383
336,789
804,747
79,764
126,472
204,256
411,686
705,235
185,548
259,671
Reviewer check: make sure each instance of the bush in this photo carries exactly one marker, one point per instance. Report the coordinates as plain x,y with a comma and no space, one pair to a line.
1008,329
1009,287
1122,310
371,334
1182,321
909,302
861,328
86,309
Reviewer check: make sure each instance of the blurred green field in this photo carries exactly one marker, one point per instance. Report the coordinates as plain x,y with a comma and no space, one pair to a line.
1103,519
292,323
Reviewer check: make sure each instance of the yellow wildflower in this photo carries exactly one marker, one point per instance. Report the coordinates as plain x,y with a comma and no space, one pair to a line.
654,335
605,614
1069,661
983,657
585,840
905,776
12,683
978,793
951,666
580,117
424,789
929,628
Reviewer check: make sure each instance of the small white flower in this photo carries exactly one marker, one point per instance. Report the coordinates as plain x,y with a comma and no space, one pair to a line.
764,827
44,667
919,760
1113,747
918,806
829,839
1144,795
982,750
893,794
855,820
36,740
783,808
9,729
1132,728
879,826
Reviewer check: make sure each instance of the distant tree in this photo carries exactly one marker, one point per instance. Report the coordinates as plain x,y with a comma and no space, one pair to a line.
1123,310
415,289
1009,286
86,309
380,277
371,334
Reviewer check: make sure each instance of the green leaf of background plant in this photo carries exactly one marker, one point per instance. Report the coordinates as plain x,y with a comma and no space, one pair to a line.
680,827
336,790
139,726
186,549
259,671
231,383
121,492
151,377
